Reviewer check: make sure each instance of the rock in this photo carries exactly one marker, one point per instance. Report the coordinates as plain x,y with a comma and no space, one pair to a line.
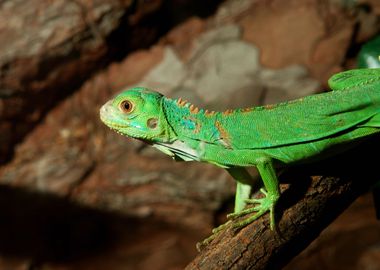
370,259
318,43
47,48
224,71
374,5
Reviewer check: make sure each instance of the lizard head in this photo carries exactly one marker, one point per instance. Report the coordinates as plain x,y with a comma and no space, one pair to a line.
137,113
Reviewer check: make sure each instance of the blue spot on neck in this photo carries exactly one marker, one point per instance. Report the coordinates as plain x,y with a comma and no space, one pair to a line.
189,124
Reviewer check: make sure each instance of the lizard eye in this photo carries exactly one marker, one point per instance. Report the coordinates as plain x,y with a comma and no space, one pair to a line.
126,106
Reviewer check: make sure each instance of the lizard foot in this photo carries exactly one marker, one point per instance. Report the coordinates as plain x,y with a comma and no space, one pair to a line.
263,205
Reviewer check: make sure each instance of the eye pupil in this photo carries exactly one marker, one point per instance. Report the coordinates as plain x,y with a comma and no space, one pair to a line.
126,106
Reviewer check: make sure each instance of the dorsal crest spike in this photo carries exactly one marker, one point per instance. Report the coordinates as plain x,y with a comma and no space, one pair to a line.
193,109
227,112
181,102
245,110
208,113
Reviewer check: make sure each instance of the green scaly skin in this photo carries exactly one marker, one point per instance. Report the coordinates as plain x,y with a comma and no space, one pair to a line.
301,130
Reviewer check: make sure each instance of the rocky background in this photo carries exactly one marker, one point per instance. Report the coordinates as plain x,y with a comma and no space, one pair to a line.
75,195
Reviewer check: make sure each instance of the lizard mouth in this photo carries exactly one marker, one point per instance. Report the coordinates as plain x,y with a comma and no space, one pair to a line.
105,112
113,126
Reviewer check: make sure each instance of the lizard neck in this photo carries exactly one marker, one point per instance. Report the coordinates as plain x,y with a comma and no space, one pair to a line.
186,119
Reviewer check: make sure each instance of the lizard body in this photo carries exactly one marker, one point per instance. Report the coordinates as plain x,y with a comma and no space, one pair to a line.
301,130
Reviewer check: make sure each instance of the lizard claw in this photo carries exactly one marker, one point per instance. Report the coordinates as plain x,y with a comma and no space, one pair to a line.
262,206
215,232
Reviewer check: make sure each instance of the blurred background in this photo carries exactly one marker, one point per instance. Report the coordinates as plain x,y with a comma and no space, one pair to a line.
75,195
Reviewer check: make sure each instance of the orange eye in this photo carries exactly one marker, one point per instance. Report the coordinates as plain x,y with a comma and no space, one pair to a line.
126,106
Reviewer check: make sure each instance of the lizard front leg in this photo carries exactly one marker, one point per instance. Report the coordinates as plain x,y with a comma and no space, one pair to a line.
242,194
244,183
268,202
243,190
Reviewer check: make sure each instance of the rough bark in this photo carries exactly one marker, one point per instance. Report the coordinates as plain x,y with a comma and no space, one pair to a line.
305,209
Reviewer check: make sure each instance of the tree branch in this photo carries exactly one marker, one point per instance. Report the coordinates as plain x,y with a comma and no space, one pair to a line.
307,205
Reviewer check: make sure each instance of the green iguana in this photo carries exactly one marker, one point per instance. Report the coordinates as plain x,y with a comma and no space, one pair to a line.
268,136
